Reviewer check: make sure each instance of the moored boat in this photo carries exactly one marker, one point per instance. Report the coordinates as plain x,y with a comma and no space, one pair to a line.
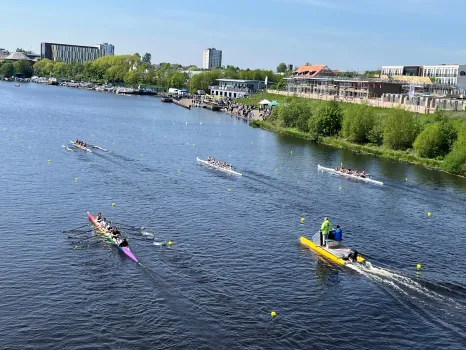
110,239
80,146
217,167
333,252
351,176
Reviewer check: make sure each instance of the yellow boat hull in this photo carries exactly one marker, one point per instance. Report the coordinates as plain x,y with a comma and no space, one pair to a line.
311,245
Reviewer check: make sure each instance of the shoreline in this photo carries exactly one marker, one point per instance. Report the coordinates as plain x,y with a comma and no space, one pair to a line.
375,151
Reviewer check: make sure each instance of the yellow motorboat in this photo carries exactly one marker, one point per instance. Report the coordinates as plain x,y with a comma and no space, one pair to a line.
333,250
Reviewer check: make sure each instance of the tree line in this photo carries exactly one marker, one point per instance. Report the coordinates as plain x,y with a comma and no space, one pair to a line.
433,137
133,70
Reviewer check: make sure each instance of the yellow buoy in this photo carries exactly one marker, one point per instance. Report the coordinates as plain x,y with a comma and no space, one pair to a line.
170,243
113,143
276,169
273,314
340,188
291,152
75,179
179,170
229,190
142,155
113,204
419,266
49,160
302,220
429,214
406,179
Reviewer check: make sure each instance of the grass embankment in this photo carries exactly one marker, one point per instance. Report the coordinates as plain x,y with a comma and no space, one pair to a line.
383,144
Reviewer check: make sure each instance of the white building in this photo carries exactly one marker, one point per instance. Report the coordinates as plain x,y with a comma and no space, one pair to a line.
212,58
447,74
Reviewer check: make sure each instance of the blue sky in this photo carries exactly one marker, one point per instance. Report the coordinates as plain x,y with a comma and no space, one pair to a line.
344,34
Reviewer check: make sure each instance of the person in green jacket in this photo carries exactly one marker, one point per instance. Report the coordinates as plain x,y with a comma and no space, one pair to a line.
324,230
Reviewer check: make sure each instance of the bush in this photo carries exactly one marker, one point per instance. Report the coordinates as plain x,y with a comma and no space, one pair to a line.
326,121
455,161
400,130
295,114
375,135
436,139
358,122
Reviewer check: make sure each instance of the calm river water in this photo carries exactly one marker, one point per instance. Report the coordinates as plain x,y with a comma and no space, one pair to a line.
235,256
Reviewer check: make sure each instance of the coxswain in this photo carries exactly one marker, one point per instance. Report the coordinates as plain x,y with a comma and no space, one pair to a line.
99,217
324,231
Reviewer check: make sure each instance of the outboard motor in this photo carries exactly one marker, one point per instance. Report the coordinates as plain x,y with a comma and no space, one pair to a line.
356,257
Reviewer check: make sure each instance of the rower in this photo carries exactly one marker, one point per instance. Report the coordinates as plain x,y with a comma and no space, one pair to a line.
363,174
124,243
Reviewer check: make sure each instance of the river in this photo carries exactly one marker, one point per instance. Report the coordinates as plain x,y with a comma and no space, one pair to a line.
235,256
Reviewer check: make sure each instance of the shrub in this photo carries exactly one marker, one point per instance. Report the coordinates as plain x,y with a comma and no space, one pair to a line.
375,135
436,139
400,130
295,114
326,121
358,122
455,161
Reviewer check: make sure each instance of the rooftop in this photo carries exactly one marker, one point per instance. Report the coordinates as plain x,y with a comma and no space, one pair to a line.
17,56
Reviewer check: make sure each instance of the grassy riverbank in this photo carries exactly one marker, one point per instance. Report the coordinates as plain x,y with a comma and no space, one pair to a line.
435,141
379,151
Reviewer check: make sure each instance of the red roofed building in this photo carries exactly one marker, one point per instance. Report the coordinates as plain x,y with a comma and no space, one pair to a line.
313,71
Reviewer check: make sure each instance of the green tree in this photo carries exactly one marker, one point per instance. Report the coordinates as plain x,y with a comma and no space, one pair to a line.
60,70
281,68
177,80
436,139
358,121
281,85
375,135
39,66
134,77
23,67
326,120
137,55
295,114
147,57
455,161
6,70
48,69
400,129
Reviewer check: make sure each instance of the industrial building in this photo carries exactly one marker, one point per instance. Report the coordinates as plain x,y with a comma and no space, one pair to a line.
75,53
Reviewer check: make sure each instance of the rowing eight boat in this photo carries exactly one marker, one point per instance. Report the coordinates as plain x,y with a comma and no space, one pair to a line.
79,146
109,238
214,166
352,176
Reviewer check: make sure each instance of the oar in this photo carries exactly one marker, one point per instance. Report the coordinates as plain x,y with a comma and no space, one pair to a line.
74,229
101,148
